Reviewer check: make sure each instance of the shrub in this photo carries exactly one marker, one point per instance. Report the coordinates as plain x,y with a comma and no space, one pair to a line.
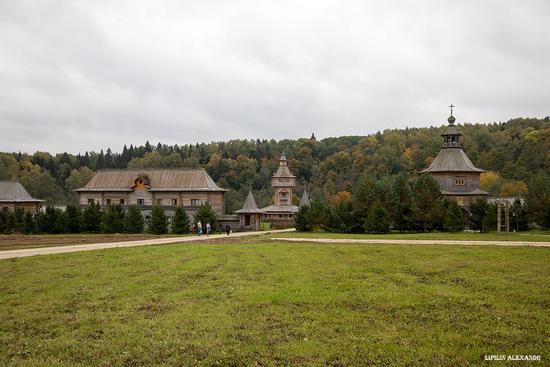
378,219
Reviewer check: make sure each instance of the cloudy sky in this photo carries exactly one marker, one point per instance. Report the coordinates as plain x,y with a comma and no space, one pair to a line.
85,75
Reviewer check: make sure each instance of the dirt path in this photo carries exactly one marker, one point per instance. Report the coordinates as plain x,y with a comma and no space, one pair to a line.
9,254
416,242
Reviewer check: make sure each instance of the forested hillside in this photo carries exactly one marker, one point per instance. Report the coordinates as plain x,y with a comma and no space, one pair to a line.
511,152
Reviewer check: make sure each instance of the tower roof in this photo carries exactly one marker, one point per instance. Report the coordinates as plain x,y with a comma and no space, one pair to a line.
250,205
451,158
283,170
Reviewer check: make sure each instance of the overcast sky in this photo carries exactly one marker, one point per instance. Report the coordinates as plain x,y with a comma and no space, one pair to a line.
86,75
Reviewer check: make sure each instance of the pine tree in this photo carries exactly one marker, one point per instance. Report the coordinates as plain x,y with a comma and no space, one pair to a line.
62,220
454,216
478,211
205,215
112,220
5,221
300,219
18,220
133,221
180,221
74,216
159,222
29,225
91,219
427,202
378,219
48,225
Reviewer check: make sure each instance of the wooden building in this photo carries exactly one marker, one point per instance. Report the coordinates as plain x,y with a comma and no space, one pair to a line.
13,195
281,213
456,174
148,187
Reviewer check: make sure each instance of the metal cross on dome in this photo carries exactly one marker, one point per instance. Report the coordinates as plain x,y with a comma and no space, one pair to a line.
452,108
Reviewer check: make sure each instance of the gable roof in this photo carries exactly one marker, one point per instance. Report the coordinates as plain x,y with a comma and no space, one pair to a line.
155,179
12,191
452,160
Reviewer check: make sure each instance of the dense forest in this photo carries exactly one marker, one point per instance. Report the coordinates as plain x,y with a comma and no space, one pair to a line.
511,152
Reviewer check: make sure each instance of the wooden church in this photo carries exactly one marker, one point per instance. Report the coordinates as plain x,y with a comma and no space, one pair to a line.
458,177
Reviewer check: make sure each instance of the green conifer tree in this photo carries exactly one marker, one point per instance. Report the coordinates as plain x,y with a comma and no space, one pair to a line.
159,221
29,225
206,215
378,219
133,221
454,216
91,219
180,221
426,202
112,221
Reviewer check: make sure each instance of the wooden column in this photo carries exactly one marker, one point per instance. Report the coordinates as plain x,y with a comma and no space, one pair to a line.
499,217
507,217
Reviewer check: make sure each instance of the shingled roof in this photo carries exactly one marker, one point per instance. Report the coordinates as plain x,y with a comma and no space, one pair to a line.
249,206
451,157
11,191
155,179
452,160
283,170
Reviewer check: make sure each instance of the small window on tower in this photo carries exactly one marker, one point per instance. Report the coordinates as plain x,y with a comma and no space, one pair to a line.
460,181
174,202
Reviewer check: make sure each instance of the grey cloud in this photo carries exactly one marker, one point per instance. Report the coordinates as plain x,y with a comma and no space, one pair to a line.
79,75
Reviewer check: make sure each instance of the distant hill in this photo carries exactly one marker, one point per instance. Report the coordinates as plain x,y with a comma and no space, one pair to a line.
513,151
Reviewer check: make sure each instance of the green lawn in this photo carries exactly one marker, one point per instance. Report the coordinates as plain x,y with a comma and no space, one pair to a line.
275,304
533,236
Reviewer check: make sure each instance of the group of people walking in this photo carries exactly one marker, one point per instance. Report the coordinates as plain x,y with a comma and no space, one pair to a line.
208,229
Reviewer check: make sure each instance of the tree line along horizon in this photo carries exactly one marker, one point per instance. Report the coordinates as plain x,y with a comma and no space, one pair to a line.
514,154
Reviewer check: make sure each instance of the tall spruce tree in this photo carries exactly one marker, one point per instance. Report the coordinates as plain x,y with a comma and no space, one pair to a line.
133,221
159,221
378,219
454,216
180,222
91,218
29,225
112,220
427,209
206,214
74,215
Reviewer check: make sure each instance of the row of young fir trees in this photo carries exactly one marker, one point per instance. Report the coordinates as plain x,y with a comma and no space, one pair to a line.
399,203
114,219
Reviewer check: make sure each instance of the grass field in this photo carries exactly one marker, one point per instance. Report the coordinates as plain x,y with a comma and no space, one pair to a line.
275,304
531,236
20,241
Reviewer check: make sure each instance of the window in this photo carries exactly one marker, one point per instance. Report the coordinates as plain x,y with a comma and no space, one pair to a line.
460,181
195,202
108,201
159,202
91,201
140,202
121,201
5,208
460,201
174,202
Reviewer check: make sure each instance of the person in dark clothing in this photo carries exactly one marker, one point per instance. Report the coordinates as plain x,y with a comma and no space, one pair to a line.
227,229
